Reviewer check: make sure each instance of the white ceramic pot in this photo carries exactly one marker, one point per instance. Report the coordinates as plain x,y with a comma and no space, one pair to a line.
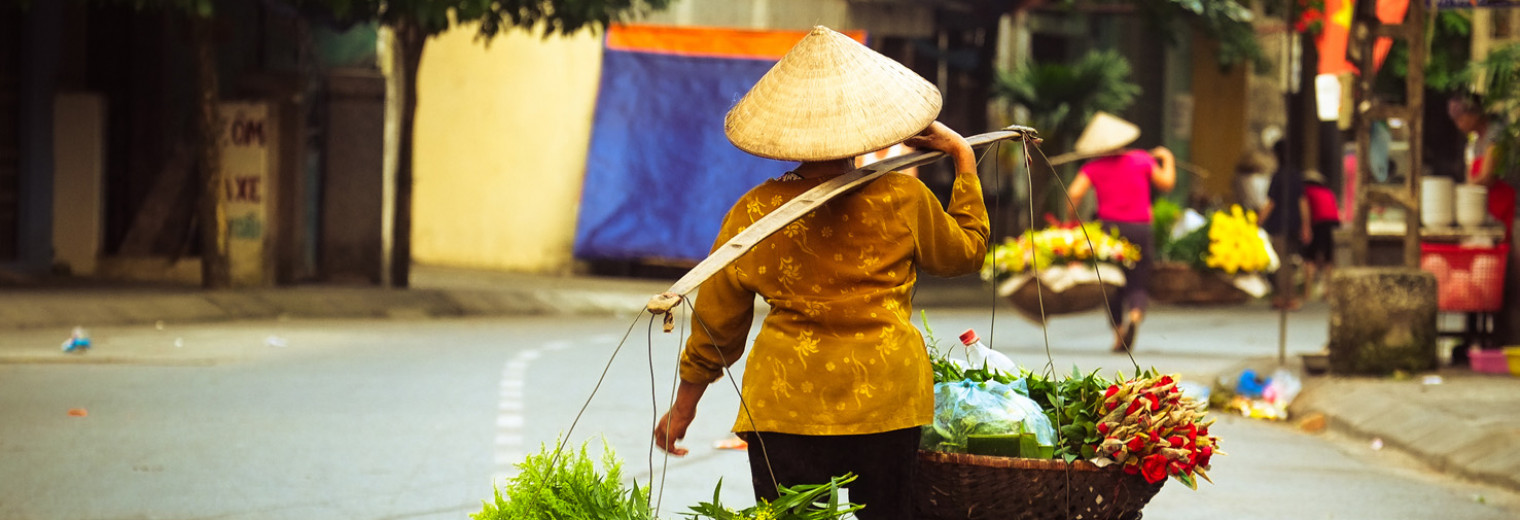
1436,202
1471,205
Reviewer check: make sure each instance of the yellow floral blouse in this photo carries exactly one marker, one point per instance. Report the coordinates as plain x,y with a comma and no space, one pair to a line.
838,353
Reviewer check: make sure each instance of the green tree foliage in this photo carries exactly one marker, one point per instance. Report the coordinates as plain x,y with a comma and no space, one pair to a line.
202,8
1499,75
435,16
1446,65
1061,98
1450,51
1226,21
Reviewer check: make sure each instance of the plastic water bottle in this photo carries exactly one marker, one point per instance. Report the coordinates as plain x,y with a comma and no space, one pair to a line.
978,355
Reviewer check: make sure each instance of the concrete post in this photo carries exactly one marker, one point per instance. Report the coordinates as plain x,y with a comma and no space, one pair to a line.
1382,319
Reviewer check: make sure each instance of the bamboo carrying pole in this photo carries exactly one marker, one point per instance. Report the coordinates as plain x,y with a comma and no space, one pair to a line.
1074,156
803,204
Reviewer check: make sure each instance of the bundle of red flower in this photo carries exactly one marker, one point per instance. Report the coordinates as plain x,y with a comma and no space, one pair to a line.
1153,430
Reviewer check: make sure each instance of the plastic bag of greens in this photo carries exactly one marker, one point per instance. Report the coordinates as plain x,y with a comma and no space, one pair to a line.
989,419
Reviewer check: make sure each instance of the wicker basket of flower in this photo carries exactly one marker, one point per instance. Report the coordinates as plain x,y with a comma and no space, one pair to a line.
1059,270
1180,283
1118,443
1222,261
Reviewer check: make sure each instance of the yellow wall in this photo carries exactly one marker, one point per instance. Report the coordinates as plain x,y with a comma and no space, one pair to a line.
501,138
1219,118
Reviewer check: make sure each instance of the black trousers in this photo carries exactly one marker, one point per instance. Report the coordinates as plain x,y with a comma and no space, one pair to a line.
884,464
1135,293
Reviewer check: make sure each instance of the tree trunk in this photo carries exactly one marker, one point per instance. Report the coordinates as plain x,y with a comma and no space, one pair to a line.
216,273
410,38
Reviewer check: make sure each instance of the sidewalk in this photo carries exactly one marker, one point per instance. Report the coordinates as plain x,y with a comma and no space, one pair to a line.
435,292
1467,425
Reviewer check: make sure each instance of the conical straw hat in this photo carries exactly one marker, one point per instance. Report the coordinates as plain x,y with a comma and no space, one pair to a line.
831,98
1106,133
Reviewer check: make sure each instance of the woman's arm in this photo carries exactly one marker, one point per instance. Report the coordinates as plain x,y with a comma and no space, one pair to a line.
1164,175
722,315
1307,231
1485,174
952,240
1075,191
672,427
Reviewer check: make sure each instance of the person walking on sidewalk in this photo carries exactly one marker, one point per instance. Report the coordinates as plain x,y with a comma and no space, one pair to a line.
1286,220
838,379
1324,219
1121,181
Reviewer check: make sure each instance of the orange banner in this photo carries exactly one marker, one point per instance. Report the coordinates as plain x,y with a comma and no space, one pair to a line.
708,41
1389,12
1332,38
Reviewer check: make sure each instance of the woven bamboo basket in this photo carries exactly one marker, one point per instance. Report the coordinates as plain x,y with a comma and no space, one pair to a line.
958,486
1180,283
1062,290
1081,297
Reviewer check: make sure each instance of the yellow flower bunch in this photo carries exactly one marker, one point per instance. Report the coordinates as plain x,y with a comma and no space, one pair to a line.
1235,244
1058,246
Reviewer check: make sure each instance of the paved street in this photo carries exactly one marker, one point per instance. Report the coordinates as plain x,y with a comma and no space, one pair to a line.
392,419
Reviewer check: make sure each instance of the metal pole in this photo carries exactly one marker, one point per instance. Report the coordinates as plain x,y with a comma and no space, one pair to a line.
1292,61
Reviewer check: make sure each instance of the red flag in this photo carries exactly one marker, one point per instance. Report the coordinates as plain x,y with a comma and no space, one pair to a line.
1334,32
1389,12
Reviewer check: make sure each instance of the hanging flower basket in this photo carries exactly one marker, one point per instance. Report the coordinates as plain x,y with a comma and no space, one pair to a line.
961,486
1066,289
1074,269
1173,282
1224,259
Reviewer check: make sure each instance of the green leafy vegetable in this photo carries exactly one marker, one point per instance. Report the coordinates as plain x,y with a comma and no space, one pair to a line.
804,502
567,487
1164,215
1072,404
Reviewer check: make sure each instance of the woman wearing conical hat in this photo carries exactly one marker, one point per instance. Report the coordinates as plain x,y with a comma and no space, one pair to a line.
1121,180
838,379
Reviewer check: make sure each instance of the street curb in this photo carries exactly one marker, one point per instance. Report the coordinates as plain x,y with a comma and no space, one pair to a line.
39,311
88,359
443,293
1370,409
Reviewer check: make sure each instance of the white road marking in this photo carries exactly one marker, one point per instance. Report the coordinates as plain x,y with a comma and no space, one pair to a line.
511,408
512,405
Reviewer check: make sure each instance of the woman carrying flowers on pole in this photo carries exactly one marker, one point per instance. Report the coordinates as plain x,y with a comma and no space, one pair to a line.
1121,180
838,380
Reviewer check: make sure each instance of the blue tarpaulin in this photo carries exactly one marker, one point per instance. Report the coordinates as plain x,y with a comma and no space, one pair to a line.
660,174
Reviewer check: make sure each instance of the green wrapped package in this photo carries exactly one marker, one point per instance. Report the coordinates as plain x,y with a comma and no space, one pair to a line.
987,418
1030,448
995,444
1023,445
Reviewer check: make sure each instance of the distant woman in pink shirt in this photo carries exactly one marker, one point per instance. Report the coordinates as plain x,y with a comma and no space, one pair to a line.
1324,218
1121,179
